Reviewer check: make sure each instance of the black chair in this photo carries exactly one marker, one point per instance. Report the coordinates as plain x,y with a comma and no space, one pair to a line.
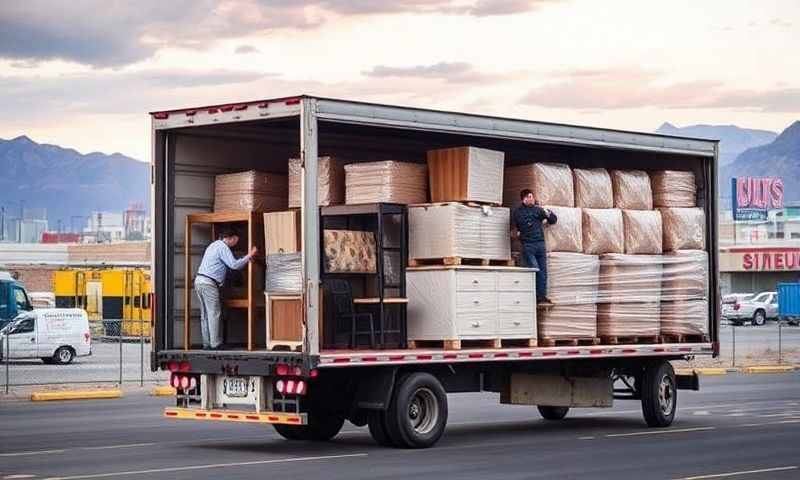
342,296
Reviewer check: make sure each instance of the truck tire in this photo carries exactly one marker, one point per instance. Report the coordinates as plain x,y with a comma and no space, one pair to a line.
552,413
417,415
63,356
759,318
377,428
320,428
659,394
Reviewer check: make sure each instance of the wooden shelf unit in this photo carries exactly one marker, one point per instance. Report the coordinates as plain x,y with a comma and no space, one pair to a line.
254,227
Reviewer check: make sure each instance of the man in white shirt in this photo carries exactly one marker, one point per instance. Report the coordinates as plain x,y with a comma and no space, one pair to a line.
217,259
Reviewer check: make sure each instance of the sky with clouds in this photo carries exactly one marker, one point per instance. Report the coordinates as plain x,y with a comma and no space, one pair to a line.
84,73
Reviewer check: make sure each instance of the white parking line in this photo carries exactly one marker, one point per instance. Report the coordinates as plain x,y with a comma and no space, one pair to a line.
743,472
660,432
206,467
129,445
38,452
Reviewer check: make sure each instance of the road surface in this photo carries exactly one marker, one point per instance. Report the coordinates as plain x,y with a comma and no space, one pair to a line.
747,425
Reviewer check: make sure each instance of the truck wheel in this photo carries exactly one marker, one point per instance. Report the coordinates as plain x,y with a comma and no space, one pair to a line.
377,428
552,413
418,412
659,394
63,356
320,428
759,318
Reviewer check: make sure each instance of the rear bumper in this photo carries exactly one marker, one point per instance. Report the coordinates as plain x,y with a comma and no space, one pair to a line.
236,416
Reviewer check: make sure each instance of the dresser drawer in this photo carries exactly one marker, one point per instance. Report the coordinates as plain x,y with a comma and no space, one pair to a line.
515,281
469,280
517,324
476,325
515,302
468,302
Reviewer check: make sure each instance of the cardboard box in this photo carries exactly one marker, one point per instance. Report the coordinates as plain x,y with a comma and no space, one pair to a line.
561,322
388,181
684,228
673,188
282,232
251,190
330,182
572,278
643,231
628,319
630,278
632,190
466,174
565,235
457,230
603,231
593,188
551,184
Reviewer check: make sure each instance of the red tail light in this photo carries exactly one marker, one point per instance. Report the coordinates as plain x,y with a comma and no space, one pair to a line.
172,366
313,373
184,366
282,369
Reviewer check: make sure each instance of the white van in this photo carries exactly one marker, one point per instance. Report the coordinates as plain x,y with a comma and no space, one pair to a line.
56,335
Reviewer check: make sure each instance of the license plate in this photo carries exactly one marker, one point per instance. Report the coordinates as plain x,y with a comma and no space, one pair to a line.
235,386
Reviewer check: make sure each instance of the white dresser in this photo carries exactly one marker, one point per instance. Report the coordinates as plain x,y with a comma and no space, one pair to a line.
471,303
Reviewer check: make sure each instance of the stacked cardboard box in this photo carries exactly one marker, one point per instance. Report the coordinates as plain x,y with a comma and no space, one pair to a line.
572,287
673,188
630,295
551,184
466,174
387,181
330,182
251,190
457,230
684,300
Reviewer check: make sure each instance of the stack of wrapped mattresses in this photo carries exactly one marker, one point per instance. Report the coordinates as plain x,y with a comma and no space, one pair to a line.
627,251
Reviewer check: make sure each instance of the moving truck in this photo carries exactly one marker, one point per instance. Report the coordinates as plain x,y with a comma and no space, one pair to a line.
307,392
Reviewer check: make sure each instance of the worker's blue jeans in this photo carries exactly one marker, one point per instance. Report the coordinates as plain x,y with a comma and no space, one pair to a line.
534,254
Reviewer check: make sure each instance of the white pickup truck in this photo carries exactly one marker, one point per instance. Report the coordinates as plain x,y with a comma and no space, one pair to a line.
756,309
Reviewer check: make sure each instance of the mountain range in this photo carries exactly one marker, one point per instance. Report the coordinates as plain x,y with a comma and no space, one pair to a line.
67,183
733,140
745,152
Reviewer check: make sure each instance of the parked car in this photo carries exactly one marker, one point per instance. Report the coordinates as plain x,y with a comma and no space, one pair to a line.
755,309
55,335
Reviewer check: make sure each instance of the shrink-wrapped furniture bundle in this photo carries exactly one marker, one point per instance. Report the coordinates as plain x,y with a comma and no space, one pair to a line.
673,188
284,273
642,231
632,190
593,188
330,182
630,278
251,190
561,322
629,319
685,275
684,228
386,181
349,251
565,235
684,317
551,184
573,278
466,174
457,230
602,231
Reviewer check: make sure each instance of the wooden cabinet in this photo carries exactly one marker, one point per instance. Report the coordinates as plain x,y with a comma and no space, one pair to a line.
282,232
284,321
466,303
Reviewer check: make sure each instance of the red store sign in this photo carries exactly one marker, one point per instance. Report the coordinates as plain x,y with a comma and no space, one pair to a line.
771,260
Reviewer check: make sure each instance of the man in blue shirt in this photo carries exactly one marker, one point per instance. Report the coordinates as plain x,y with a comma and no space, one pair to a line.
527,219
217,259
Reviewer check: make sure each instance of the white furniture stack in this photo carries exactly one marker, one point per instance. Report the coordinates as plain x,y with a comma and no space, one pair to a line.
451,304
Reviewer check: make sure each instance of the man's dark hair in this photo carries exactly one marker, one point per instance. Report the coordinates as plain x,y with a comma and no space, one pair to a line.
228,233
524,193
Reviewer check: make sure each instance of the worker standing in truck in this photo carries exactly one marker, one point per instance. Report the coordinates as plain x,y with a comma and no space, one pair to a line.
217,259
528,220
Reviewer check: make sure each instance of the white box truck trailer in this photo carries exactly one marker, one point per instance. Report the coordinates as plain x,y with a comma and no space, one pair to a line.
307,393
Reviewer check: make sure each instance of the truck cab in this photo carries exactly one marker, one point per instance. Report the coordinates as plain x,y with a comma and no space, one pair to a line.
14,299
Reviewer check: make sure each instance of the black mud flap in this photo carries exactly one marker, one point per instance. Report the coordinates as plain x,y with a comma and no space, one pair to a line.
688,382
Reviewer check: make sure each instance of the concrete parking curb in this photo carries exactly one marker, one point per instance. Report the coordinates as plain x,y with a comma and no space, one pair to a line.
769,369
76,395
162,392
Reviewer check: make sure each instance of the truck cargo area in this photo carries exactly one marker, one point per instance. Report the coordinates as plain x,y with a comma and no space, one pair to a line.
290,359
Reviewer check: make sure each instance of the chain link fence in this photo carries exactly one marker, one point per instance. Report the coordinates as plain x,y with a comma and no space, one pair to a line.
119,354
